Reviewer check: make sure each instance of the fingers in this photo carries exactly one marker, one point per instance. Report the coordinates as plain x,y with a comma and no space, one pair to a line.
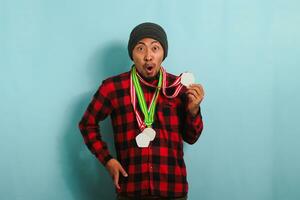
195,91
193,95
192,92
198,88
116,179
115,168
117,174
123,171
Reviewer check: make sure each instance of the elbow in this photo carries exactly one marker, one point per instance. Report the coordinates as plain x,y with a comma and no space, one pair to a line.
81,124
192,140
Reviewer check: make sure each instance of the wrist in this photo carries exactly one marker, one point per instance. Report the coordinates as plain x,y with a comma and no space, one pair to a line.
109,162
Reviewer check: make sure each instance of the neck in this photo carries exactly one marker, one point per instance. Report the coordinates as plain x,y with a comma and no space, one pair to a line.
150,79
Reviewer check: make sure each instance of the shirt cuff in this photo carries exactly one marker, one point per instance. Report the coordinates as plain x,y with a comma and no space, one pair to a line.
195,121
104,159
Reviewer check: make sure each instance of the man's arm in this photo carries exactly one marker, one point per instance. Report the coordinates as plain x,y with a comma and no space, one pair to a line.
193,119
193,127
98,109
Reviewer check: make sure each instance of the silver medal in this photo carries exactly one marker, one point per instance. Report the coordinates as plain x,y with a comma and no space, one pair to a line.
187,79
142,140
150,132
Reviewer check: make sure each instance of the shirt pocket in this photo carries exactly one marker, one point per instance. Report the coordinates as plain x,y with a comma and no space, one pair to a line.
168,123
168,115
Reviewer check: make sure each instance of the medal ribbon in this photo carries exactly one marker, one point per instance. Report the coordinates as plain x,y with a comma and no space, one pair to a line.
135,88
176,83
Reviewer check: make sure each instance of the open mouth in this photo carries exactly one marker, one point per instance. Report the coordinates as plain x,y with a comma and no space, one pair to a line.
149,67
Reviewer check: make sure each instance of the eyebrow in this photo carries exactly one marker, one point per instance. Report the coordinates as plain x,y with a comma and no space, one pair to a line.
155,41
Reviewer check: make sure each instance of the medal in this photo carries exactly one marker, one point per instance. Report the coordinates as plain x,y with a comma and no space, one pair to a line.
142,140
187,79
148,134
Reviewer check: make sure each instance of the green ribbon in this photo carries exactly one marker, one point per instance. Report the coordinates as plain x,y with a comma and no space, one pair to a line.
148,113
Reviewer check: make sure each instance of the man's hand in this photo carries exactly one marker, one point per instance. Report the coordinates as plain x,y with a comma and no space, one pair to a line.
195,95
114,168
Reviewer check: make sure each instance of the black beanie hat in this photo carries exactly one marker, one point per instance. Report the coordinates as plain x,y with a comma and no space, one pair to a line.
148,30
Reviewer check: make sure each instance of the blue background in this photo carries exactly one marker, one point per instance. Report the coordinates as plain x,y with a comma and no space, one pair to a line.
54,54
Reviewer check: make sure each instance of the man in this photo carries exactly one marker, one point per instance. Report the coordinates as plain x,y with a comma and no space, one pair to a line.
150,120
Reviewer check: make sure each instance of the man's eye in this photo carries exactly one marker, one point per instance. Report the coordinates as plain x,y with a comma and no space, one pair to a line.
140,48
155,48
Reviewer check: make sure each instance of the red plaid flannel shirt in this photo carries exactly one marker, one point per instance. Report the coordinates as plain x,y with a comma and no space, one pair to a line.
158,170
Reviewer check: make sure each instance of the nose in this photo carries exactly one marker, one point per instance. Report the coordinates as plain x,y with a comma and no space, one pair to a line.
148,56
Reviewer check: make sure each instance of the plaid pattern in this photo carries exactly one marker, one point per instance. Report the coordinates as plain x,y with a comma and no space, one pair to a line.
159,169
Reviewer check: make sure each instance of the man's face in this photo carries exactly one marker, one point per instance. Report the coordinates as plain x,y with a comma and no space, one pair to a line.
147,56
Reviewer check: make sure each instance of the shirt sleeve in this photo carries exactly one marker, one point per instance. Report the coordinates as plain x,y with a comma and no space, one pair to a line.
193,127
98,109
